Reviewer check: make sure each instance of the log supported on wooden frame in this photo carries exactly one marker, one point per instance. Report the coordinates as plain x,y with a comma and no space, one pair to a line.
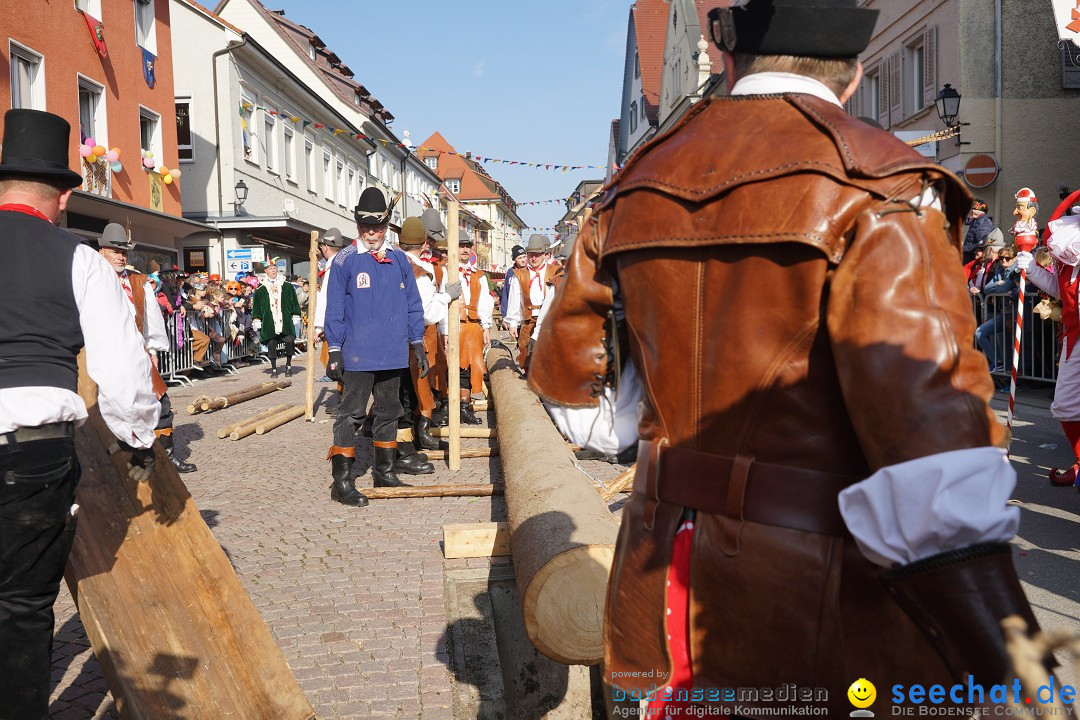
563,535
421,491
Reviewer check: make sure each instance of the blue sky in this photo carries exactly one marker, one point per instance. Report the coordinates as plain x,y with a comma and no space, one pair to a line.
527,81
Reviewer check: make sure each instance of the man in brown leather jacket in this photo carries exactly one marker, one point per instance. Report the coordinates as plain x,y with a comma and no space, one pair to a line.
828,454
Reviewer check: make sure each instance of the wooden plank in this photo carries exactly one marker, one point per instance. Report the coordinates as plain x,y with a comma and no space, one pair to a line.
465,454
622,483
466,432
169,621
419,491
471,540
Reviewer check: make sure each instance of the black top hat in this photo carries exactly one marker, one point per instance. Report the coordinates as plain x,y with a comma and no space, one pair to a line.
36,146
807,28
371,208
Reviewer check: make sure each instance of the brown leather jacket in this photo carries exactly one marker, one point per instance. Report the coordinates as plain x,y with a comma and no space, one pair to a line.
791,310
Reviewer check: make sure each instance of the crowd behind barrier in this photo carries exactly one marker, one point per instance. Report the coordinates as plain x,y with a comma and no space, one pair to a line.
1040,344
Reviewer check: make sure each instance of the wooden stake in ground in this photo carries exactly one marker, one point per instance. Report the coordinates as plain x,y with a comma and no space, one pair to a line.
174,630
279,419
240,396
313,266
563,535
419,491
453,352
228,429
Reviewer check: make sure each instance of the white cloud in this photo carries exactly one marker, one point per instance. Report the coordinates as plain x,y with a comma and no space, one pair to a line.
478,68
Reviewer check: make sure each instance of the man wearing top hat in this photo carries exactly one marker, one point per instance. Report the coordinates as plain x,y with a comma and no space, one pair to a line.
523,307
786,524
273,308
145,311
374,319
39,400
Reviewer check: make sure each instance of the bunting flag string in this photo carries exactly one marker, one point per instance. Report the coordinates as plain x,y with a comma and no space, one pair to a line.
342,132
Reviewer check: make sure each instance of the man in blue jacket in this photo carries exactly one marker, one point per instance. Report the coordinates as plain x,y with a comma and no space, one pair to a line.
373,316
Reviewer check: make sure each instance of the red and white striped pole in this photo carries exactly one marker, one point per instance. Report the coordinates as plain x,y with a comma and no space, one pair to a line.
1016,348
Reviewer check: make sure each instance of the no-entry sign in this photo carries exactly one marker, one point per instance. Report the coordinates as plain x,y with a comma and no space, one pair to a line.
981,170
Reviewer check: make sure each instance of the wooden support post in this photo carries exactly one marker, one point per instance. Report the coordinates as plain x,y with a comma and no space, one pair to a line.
470,540
419,491
278,420
228,429
466,432
453,352
309,385
562,532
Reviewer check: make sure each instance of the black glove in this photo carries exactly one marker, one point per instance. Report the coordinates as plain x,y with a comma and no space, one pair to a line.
335,365
421,358
454,290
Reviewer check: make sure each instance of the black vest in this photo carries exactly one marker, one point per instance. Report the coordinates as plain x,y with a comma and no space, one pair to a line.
40,334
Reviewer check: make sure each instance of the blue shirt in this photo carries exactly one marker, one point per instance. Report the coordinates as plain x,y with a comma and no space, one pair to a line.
373,310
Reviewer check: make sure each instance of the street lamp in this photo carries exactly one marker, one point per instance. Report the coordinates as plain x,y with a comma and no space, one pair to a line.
241,194
948,107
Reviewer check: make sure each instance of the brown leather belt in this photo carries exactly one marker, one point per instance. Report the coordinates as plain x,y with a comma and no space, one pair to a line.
742,488
50,431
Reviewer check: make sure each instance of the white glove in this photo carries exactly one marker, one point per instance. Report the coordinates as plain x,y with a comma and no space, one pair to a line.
1024,260
256,325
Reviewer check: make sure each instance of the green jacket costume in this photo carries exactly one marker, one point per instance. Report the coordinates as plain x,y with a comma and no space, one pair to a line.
260,310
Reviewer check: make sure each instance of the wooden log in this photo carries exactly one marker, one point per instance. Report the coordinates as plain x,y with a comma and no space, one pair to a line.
469,540
170,623
240,396
481,405
622,483
562,532
453,340
465,454
419,491
466,432
309,381
278,420
228,429
195,405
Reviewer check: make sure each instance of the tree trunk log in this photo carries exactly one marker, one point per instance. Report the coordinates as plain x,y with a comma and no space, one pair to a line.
278,420
196,404
467,453
563,536
228,429
466,432
418,491
244,395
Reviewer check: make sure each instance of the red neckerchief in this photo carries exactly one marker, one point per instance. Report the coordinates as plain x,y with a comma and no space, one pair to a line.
381,257
25,209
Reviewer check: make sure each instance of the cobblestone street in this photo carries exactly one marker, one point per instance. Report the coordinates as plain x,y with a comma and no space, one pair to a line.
354,597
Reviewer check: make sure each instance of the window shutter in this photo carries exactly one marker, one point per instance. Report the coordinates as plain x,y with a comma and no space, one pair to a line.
896,90
884,87
930,66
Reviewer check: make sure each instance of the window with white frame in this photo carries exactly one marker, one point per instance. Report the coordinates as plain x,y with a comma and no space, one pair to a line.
342,192
247,129
289,150
914,68
145,26
184,149
150,134
453,185
269,137
27,78
309,162
871,103
328,174
92,111
432,161
354,194
90,7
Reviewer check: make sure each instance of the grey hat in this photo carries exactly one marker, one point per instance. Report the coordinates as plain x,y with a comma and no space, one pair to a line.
333,238
114,236
538,243
433,224
995,240
567,246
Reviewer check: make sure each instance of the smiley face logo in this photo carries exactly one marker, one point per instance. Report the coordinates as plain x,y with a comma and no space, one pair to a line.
862,693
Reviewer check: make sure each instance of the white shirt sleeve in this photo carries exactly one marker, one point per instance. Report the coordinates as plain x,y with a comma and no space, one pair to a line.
320,302
930,505
153,321
485,306
543,313
115,355
434,302
512,312
612,426
444,327
1044,279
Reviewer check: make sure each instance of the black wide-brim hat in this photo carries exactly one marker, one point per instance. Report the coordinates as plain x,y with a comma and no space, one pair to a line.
806,28
371,208
36,147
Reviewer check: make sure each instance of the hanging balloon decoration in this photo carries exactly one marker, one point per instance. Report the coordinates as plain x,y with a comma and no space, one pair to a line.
94,153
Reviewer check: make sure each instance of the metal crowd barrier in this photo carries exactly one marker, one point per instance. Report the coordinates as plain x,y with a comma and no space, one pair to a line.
1040,346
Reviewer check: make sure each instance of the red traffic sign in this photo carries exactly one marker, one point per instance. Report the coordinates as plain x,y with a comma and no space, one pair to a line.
981,170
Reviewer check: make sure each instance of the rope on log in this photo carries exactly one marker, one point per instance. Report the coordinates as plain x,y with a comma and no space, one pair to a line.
563,535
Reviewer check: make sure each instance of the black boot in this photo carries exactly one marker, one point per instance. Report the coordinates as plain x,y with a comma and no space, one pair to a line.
382,475
180,465
343,490
422,436
410,462
467,415
439,416
288,371
273,372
